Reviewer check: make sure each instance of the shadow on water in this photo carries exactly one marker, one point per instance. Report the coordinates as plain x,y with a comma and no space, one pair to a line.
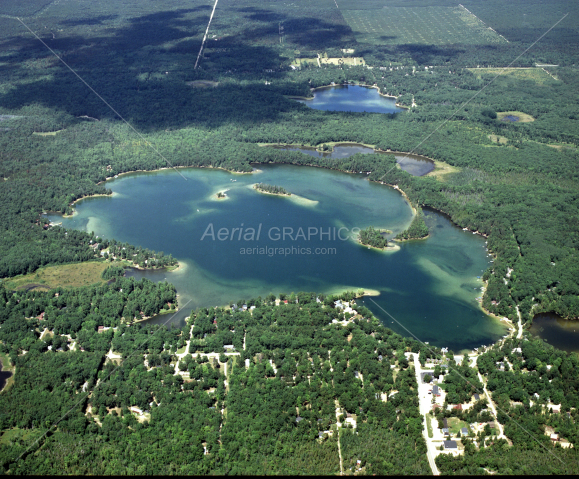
556,331
4,376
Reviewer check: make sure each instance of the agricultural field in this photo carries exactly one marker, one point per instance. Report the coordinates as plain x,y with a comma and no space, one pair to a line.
23,8
422,25
527,20
537,75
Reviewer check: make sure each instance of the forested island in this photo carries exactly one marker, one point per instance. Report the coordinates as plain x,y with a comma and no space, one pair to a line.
373,237
271,189
315,385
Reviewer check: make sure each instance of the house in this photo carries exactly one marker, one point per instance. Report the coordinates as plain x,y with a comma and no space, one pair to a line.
554,437
40,317
435,391
228,347
338,304
299,419
135,409
464,431
450,445
476,397
244,307
516,350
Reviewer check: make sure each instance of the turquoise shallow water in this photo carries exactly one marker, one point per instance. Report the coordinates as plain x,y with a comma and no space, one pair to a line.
428,286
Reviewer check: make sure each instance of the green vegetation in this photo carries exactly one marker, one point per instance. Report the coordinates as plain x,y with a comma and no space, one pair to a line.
62,276
295,365
517,190
372,237
272,189
417,228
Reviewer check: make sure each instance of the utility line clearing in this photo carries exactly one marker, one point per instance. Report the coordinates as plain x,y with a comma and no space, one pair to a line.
205,37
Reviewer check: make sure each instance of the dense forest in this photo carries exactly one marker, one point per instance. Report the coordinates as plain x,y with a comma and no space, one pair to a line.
417,229
272,407
372,237
180,402
272,189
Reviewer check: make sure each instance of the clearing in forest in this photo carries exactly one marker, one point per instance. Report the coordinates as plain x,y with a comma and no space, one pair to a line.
64,275
419,25
514,116
203,84
441,169
356,61
538,75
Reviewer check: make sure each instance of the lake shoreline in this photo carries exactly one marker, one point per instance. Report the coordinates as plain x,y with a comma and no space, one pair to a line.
403,193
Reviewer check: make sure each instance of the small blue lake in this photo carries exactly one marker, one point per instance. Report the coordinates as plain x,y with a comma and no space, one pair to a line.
352,98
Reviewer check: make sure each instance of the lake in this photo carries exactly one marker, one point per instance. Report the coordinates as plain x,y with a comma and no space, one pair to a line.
414,164
558,332
4,376
351,98
428,286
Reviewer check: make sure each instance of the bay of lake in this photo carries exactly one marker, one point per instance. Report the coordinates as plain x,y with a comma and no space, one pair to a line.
428,286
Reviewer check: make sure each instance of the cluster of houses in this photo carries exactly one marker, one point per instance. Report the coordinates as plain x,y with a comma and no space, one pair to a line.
243,307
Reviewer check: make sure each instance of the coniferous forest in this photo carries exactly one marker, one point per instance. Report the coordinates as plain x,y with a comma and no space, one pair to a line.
290,384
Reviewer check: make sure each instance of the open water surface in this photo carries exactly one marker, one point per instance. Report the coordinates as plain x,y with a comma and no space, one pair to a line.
428,286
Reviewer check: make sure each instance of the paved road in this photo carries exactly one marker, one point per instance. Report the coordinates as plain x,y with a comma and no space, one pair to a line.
424,401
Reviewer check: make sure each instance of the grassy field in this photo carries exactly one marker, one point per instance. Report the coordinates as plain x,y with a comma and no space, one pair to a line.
429,425
66,276
422,25
441,169
455,425
523,117
498,139
538,75
47,133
